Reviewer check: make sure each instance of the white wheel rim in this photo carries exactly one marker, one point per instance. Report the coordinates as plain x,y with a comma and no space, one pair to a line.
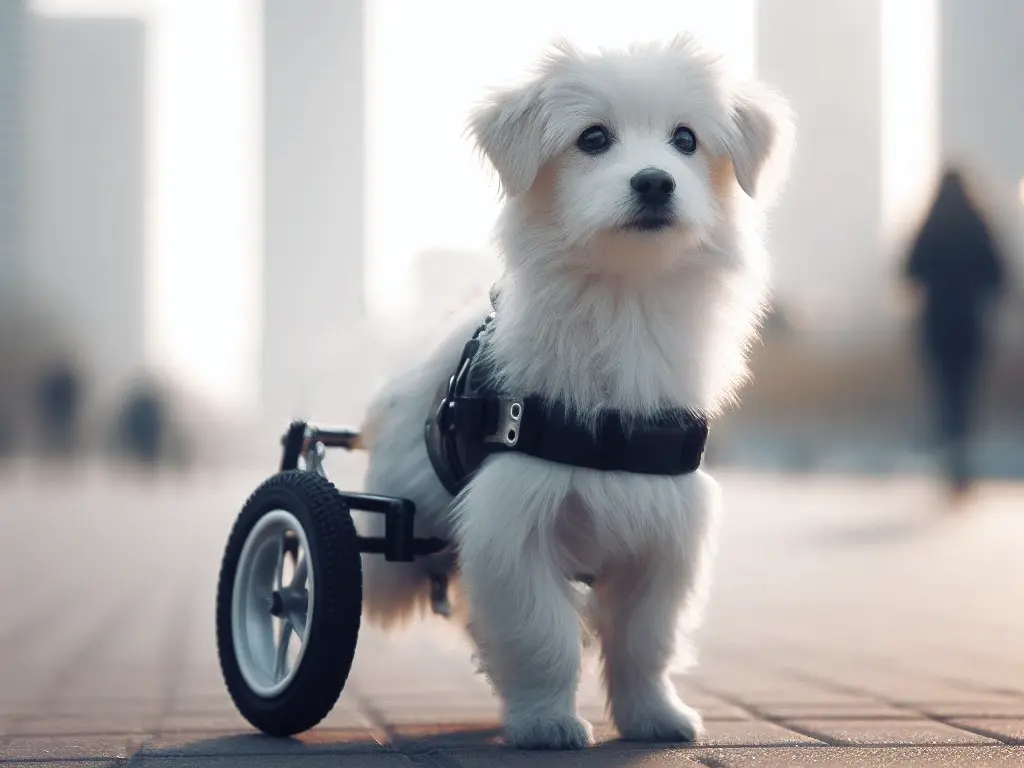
269,647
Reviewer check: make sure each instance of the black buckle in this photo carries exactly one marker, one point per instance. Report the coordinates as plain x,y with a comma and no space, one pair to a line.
445,415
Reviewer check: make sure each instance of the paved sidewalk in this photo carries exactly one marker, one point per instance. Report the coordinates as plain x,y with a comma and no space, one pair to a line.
853,622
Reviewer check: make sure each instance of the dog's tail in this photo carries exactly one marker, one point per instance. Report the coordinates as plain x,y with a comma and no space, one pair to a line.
367,430
394,593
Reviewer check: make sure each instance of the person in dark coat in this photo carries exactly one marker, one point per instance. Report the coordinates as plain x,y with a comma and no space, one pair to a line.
956,264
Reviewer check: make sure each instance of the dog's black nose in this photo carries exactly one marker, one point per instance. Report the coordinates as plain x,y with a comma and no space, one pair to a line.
653,186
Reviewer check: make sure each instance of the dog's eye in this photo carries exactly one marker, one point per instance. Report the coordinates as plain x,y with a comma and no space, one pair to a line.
594,140
684,140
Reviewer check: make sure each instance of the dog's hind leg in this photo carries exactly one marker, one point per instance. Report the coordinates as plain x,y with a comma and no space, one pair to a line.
522,617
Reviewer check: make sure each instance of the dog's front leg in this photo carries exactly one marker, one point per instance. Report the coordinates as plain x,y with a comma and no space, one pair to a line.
644,605
521,617
639,606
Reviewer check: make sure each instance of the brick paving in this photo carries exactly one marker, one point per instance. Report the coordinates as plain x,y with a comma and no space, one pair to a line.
853,622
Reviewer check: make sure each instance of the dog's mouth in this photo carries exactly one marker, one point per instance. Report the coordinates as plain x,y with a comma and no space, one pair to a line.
650,221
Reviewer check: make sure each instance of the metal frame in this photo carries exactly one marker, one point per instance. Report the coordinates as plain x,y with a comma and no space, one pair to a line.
305,446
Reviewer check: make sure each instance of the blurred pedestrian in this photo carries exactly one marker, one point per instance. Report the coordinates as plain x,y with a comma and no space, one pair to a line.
8,435
58,407
957,265
142,425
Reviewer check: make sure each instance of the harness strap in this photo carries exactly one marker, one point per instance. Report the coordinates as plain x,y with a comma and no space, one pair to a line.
472,421
671,444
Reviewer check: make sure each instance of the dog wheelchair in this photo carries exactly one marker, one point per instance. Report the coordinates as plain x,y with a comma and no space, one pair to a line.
290,593
289,596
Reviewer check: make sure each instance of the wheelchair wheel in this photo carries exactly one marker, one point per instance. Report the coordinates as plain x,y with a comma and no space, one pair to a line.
289,600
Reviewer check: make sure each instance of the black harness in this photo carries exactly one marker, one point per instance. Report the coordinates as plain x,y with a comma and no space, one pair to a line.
471,420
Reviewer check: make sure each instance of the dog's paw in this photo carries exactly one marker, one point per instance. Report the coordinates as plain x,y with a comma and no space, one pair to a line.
660,721
551,732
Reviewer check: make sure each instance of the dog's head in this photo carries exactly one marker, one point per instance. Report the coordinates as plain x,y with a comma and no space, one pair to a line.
634,151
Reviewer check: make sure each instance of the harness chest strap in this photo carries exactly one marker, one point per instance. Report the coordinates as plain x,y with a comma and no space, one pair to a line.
671,445
472,421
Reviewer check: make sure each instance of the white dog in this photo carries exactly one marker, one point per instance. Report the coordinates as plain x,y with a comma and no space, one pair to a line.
634,280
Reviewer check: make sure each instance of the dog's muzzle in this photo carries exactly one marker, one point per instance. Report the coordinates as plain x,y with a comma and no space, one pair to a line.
651,221
653,193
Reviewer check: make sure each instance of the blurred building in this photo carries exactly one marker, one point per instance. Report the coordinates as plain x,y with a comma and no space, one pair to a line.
314,181
87,181
982,109
253,273
13,93
885,91
863,79
824,236
13,67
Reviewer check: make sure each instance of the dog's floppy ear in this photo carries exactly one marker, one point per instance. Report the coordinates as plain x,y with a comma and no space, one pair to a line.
761,140
509,129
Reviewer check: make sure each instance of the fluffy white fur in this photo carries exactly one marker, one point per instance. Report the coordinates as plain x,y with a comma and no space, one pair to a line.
600,316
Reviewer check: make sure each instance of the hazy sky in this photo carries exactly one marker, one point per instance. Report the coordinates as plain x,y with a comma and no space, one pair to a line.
203,183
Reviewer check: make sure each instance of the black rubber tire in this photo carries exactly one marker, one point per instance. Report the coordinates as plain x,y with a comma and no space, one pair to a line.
332,634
